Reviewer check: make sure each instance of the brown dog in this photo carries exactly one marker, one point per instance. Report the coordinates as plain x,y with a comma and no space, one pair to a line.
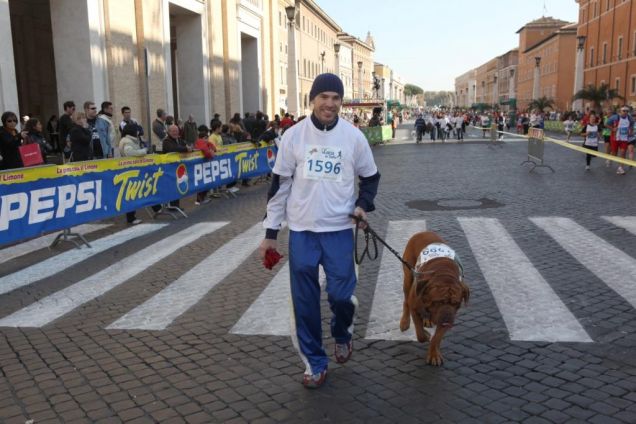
434,294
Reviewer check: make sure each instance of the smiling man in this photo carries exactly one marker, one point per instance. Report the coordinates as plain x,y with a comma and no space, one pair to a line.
313,188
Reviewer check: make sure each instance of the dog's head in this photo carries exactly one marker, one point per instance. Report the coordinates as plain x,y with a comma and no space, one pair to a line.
442,295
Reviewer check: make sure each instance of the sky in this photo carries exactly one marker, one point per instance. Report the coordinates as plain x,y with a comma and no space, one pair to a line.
430,42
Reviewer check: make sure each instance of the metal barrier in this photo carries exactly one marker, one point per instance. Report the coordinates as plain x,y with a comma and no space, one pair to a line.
536,146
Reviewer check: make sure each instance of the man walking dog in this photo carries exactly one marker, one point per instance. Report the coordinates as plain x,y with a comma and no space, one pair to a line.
313,188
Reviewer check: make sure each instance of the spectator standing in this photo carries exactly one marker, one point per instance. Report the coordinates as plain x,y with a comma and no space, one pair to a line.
217,118
159,126
209,150
215,135
106,128
190,131
33,134
128,119
53,132
129,145
66,122
98,148
260,126
249,124
10,141
226,135
316,202
81,138
420,126
285,123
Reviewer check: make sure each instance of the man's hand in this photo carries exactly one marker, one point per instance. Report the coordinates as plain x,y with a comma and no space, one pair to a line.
265,245
360,213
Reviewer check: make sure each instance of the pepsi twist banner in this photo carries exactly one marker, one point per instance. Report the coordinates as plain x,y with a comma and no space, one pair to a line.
42,199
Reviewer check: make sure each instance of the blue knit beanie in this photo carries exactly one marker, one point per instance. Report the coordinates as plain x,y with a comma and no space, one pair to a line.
326,82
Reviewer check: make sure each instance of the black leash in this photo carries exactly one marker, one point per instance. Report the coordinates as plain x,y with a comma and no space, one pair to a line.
370,234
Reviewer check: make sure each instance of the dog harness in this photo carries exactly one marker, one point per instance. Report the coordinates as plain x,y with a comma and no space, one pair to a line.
440,250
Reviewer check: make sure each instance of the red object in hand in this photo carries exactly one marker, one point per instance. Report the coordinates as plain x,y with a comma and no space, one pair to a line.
272,257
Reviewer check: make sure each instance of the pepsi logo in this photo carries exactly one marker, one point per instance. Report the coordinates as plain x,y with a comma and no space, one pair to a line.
182,179
271,158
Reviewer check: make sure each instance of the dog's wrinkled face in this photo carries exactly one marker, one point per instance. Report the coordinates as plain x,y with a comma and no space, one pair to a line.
441,296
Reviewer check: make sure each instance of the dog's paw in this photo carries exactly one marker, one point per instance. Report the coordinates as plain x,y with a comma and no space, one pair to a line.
434,358
405,323
427,323
423,336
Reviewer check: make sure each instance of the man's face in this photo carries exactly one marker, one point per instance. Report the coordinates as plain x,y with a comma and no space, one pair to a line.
173,131
624,112
327,106
70,110
126,115
91,111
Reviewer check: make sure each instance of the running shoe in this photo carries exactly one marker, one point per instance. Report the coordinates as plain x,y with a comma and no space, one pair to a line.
587,167
314,381
620,170
607,163
343,351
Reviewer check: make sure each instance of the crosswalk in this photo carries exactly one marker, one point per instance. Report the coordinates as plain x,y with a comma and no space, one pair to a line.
530,305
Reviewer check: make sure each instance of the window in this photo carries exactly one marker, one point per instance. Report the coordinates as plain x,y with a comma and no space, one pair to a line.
620,48
633,84
591,57
604,53
635,44
617,84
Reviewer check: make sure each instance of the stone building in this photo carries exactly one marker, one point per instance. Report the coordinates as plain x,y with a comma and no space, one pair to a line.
550,45
507,78
486,78
608,31
466,89
362,63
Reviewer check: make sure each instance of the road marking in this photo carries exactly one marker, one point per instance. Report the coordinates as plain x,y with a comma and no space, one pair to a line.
626,222
55,264
269,314
611,265
60,303
162,309
386,310
12,252
531,310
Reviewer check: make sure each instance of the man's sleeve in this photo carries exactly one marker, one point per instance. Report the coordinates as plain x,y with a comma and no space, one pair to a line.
279,190
369,176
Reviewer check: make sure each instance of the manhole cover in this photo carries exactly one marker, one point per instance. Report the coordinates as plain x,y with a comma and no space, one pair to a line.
453,204
459,203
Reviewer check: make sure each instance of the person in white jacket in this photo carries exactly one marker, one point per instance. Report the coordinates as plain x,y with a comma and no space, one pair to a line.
129,146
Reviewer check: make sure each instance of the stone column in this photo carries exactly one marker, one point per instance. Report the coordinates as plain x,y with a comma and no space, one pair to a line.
536,85
360,82
8,86
292,71
577,105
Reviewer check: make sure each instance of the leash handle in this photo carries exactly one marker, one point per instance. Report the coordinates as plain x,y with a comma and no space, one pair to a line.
365,252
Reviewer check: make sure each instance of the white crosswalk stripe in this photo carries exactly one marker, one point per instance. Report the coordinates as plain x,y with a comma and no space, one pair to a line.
21,249
158,312
386,310
531,310
611,265
626,222
59,263
62,302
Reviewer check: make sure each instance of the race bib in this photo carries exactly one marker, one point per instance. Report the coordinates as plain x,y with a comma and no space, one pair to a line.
623,131
436,250
323,163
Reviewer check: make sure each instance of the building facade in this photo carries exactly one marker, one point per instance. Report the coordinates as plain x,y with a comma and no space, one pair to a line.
362,63
507,78
550,43
466,89
609,28
486,79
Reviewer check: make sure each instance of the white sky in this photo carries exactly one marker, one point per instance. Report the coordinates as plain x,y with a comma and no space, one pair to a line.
430,42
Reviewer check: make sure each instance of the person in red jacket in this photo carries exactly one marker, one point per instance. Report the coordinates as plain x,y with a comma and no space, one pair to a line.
209,150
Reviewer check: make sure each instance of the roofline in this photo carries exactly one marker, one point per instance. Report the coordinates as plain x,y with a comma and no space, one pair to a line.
352,38
311,4
560,31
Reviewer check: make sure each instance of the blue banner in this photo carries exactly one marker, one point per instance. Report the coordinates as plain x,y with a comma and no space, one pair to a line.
43,199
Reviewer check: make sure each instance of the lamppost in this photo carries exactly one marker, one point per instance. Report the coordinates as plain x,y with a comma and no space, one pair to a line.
376,84
578,70
336,49
292,71
322,62
360,85
495,92
536,87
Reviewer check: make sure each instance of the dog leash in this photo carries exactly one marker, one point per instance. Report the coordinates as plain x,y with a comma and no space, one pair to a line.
370,234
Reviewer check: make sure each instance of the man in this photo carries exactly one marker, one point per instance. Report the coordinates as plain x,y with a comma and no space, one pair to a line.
190,130
216,118
159,125
286,122
623,128
106,128
99,146
128,119
66,122
313,189
173,143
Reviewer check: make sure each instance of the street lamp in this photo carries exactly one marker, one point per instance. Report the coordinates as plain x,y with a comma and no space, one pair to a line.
537,61
292,71
360,86
336,49
580,41
322,62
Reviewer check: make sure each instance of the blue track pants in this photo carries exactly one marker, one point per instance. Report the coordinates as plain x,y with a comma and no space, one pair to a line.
334,251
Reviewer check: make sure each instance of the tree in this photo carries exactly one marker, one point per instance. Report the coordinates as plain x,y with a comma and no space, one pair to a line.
597,95
542,103
412,90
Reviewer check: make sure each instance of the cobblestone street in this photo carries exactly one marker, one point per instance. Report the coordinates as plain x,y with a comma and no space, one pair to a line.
178,323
